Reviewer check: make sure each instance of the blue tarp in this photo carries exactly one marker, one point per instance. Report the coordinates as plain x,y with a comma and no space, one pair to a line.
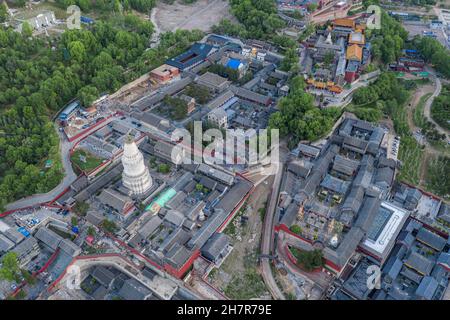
233,64
24,231
86,19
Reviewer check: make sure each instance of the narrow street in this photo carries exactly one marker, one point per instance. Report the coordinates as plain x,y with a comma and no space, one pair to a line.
267,241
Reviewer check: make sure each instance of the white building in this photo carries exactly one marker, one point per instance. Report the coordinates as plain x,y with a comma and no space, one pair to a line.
218,117
135,174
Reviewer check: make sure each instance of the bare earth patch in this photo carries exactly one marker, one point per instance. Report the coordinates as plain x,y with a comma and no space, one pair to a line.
202,15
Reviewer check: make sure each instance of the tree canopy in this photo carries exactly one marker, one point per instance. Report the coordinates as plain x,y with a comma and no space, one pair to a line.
434,52
297,115
258,18
38,76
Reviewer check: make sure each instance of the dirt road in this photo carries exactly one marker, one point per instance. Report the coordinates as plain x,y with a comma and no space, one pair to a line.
434,89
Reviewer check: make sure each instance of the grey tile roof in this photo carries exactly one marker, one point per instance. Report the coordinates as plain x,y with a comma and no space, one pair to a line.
444,259
299,170
217,174
178,255
103,275
215,245
385,162
150,226
419,263
355,144
431,239
393,268
384,176
115,200
177,200
290,214
444,212
250,95
212,79
194,212
80,183
134,290
335,184
220,100
48,237
94,217
174,217
427,288
367,213
164,149
345,165
100,293
26,247
208,183
14,235
185,179
69,247
5,244
354,200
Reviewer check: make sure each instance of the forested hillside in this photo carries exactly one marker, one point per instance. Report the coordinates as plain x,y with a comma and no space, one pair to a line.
38,76
258,18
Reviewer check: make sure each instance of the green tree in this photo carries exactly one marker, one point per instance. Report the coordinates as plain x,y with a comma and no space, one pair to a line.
3,12
77,51
109,226
27,30
10,270
28,277
290,60
91,231
87,95
164,168
81,208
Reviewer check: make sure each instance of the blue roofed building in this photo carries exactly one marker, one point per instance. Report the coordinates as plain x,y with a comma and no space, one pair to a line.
69,111
234,64
235,61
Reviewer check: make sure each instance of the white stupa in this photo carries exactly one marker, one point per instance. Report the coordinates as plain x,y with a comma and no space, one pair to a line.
329,40
135,174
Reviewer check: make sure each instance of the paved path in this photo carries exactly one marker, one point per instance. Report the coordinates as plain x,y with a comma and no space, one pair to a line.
268,235
427,107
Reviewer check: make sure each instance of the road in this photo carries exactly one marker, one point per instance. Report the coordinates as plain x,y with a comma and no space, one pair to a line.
345,97
157,31
427,107
268,235
69,175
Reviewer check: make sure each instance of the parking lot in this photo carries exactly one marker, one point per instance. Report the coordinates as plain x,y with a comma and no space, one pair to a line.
418,28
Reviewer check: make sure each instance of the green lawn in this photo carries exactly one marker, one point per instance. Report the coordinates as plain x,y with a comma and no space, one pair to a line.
60,12
410,154
418,118
437,176
246,286
91,163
